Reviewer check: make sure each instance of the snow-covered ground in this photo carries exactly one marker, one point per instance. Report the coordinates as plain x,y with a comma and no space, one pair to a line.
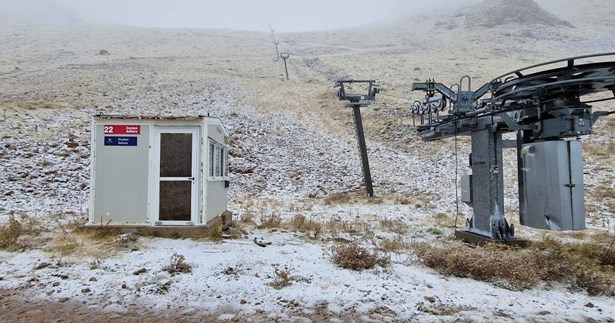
233,280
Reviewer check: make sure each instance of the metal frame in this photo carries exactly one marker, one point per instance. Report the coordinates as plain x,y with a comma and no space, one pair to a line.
285,56
541,102
356,101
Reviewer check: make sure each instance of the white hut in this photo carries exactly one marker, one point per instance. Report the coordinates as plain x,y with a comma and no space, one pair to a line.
158,171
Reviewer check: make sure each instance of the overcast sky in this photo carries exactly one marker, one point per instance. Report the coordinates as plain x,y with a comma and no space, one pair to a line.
283,15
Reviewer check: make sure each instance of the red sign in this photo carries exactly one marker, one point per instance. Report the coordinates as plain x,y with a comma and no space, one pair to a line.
121,129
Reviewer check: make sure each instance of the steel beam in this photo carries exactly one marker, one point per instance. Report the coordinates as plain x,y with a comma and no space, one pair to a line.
367,176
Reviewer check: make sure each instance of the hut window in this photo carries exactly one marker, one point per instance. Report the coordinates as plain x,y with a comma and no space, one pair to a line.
211,158
225,165
218,160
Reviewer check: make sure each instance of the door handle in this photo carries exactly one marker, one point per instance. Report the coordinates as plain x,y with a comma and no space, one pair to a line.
191,178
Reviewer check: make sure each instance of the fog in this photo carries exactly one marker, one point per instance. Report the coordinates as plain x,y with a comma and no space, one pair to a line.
258,15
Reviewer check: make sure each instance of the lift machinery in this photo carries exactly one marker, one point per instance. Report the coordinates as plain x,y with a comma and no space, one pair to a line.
549,107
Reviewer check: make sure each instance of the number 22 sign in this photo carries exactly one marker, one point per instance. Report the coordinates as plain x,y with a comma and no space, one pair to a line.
121,130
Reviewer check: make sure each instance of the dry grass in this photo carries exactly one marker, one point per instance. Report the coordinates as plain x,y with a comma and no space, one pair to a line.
444,220
603,191
354,227
435,231
270,221
247,216
342,198
403,199
578,266
600,150
352,197
84,244
395,245
18,232
300,223
439,309
10,233
352,256
315,228
66,244
394,225
215,233
103,242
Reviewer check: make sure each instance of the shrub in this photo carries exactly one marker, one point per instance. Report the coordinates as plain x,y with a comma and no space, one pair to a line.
282,277
178,264
352,256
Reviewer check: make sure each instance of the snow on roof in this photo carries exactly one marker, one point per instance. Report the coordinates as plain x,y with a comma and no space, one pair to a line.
150,117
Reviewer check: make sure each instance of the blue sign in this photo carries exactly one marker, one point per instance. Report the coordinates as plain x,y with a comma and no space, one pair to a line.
120,141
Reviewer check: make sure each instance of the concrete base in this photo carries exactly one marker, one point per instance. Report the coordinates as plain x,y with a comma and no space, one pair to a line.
479,240
212,229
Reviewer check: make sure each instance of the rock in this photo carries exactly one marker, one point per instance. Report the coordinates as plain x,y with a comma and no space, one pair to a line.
42,265
544,313
93,279
590,305
86,290
243,301
139,271
61,276
63,299
103,52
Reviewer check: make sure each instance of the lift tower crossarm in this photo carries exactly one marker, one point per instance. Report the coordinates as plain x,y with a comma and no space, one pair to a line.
431,87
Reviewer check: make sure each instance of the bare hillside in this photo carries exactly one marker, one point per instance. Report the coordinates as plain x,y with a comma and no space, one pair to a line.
495,13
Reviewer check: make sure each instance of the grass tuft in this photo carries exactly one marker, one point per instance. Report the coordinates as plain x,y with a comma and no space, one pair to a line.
352,256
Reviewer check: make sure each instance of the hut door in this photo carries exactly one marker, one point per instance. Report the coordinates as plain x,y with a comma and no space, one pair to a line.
177,157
